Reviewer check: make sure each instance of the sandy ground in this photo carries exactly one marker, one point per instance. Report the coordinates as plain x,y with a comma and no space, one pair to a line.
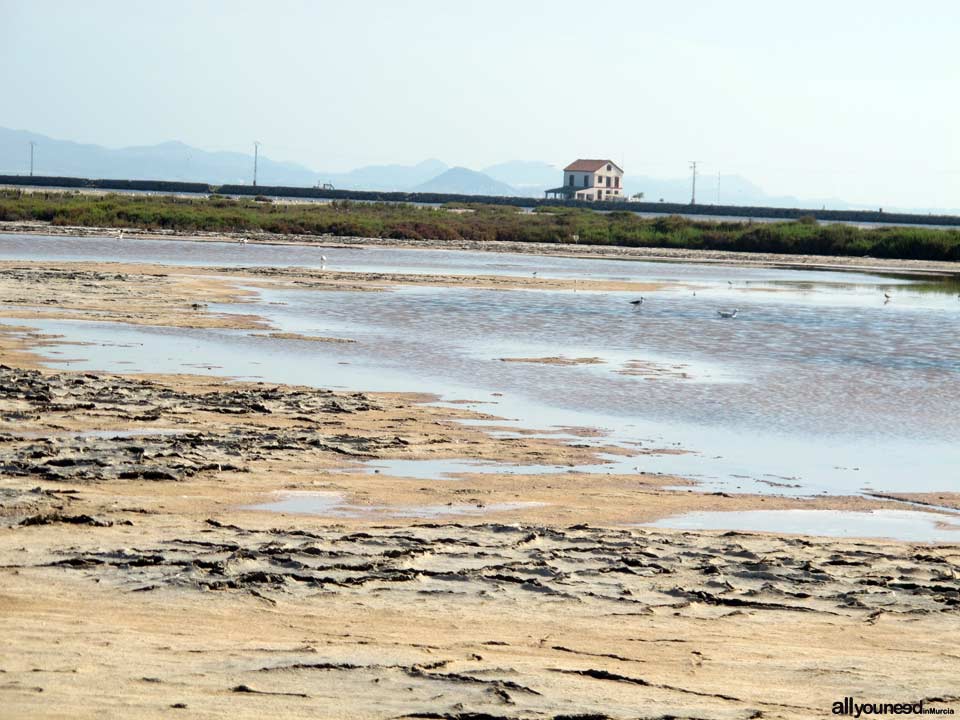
138,582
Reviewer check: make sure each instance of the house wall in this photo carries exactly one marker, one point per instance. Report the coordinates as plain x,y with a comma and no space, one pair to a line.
577,178
597,182
600,183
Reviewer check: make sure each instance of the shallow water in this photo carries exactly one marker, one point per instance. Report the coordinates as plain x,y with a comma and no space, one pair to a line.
818,386
17,246
892,524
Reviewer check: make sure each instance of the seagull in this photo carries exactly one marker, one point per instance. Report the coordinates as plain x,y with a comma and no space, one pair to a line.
728,313
637,303
888,296
242,241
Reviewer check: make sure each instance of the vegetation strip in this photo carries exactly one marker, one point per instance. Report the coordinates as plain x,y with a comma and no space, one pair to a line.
453,222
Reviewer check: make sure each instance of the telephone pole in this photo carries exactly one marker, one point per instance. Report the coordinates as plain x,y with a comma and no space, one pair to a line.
256,152
693,192
33,145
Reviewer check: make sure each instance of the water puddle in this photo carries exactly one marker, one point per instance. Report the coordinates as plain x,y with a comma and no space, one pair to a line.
333,504
17,246
906,525
445,469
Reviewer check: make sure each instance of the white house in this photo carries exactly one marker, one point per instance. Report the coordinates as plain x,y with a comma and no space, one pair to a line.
590,180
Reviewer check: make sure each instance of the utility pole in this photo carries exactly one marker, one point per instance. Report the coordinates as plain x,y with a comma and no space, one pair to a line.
693,192
256,152
32,146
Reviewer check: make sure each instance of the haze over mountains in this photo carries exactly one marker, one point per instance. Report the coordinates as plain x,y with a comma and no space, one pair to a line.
176,161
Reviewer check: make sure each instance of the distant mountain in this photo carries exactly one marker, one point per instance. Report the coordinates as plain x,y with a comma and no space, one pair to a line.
529,178
166,161
463,181
734,190
385,177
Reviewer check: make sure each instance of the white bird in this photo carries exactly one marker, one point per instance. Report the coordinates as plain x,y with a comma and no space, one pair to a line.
888,296
323,259
119,234
242,241
728,313
637,303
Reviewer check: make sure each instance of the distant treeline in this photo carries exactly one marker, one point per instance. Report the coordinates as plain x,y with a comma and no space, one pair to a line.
473,221
745,211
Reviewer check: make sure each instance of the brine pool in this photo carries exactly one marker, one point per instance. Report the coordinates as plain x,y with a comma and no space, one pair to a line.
818,386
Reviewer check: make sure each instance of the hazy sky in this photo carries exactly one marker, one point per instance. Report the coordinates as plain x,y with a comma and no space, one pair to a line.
852,99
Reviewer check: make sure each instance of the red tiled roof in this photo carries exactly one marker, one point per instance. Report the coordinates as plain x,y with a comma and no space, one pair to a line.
589,165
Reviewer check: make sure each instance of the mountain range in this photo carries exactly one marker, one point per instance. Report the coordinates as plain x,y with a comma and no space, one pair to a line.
179,162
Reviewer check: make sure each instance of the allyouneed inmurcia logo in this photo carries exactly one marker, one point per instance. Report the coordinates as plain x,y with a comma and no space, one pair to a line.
848,706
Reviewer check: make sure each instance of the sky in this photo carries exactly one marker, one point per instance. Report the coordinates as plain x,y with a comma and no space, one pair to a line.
849,99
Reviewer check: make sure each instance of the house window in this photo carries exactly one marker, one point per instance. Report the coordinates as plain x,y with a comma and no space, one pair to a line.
609,168
586,181
608,181
616,181
571,180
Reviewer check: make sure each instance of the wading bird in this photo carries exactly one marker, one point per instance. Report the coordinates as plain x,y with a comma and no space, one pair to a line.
728,313
637,303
